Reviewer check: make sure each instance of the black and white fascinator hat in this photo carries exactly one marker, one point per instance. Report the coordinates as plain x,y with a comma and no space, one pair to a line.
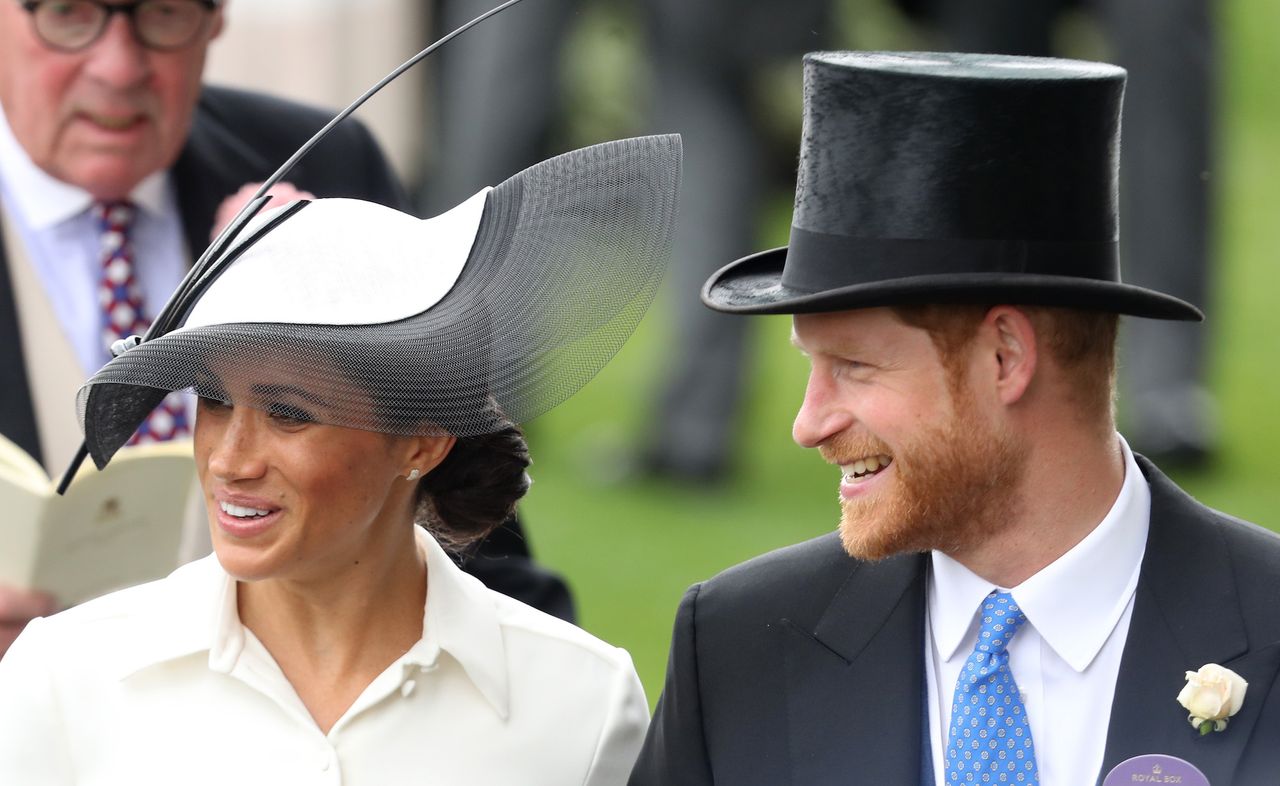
511,301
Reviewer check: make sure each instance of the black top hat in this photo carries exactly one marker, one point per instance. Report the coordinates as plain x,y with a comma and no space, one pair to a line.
938,177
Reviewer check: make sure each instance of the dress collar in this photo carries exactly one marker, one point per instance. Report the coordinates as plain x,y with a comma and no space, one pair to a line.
197,613
1074,602
461,619
43,201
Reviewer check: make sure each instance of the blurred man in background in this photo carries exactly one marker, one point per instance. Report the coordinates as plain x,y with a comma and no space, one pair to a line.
501,103
705,87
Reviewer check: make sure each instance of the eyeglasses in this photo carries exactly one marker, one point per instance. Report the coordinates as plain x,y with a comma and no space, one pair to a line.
72,25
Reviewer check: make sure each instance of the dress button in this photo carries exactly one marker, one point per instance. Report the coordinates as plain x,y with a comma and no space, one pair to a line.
407,688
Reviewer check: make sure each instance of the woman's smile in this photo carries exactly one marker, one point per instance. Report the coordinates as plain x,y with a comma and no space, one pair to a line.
244,517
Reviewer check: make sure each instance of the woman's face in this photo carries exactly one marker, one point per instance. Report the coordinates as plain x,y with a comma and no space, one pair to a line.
290,497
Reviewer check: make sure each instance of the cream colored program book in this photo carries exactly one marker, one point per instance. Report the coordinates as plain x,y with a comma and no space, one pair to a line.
114,528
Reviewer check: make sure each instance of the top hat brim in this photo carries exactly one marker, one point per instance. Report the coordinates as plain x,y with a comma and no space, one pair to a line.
753,285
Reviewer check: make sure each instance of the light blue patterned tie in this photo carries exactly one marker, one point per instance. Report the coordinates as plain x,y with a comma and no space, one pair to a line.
990,738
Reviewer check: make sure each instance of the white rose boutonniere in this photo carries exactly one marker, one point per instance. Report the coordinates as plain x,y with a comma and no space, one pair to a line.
1212,695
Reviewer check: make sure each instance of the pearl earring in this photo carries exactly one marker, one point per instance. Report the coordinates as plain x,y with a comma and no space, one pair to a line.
414,473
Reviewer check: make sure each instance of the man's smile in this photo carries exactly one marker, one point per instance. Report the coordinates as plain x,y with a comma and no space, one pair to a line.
863,468
113,122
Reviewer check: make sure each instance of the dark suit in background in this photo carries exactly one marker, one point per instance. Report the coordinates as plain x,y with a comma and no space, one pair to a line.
239,137
499,103
806,666
707,59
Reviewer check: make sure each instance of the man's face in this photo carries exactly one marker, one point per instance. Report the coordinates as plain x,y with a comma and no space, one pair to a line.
924,464
103,118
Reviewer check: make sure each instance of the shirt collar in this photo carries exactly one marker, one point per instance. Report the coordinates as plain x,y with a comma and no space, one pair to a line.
1074,602
43,201
460,619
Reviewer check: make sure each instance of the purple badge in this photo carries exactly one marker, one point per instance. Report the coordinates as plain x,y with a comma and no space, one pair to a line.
1155,768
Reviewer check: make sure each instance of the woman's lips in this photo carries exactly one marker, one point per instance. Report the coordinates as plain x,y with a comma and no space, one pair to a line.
245,518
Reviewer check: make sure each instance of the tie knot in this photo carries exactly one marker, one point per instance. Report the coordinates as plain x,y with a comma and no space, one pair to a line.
115,216
1001,618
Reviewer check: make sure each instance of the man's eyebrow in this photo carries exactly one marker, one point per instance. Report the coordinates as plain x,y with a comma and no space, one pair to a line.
273,391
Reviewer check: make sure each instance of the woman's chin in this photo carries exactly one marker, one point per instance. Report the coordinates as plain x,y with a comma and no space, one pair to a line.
244,562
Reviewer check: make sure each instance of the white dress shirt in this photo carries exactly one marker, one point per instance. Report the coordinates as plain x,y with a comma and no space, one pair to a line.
1066,658
63,242
161,684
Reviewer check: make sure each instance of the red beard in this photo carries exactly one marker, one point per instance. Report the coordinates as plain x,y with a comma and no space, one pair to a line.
951,488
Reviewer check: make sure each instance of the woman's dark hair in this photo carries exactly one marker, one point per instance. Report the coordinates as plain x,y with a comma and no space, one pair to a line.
475,488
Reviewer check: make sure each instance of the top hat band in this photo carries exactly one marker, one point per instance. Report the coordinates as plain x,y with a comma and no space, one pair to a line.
818,261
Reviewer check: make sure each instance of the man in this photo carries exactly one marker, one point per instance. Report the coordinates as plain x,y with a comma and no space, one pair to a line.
1012,596
102,102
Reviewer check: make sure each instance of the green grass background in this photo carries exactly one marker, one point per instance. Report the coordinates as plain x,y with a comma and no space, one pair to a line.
631,548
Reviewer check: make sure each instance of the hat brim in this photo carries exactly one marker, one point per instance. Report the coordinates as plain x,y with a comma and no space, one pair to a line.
753,285
520,325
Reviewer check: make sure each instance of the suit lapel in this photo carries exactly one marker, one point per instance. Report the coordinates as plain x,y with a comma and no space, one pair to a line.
855,682
1186,613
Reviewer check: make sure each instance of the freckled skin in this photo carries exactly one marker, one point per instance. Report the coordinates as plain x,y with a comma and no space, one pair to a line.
878,386
332,512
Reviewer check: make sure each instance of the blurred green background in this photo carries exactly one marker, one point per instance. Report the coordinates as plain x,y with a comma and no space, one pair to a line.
630,548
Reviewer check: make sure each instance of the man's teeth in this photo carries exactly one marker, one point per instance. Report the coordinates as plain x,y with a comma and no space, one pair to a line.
113,123
864,467
239,512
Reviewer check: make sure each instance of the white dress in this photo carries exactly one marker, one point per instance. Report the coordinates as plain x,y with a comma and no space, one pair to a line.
161,684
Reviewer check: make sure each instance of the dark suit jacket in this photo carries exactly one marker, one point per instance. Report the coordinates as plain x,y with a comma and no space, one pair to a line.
805,666
239,137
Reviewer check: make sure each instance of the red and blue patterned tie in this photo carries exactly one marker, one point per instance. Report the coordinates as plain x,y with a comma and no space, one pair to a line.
990,739
121,301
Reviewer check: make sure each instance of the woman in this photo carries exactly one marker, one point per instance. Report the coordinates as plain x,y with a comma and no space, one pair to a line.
359,371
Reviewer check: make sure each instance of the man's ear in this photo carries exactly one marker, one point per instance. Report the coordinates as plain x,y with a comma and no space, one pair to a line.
1012,339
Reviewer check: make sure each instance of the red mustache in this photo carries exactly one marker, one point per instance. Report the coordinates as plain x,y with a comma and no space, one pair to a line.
846,448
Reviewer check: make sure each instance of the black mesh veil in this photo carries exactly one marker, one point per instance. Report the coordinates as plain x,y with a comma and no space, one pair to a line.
566,257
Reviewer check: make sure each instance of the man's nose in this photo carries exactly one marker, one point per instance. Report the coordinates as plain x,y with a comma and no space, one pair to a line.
118,58
822,414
